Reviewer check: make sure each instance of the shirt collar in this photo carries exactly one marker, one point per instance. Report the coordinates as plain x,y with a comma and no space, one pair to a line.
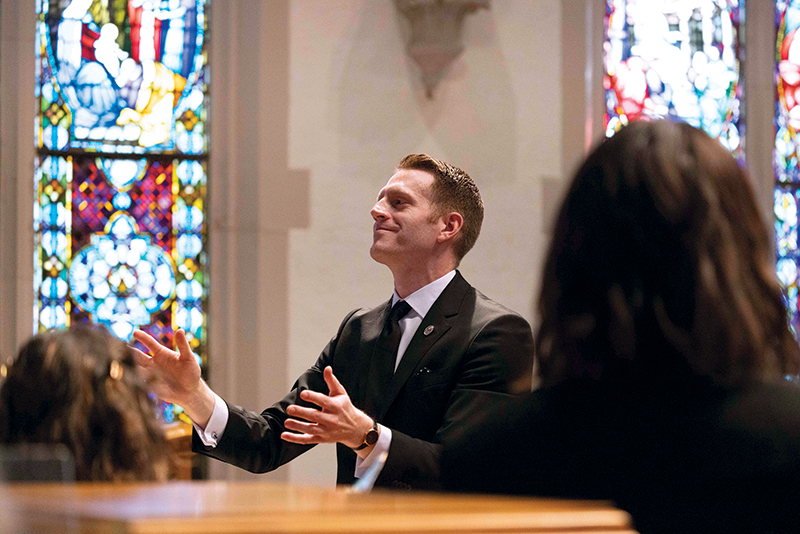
423,298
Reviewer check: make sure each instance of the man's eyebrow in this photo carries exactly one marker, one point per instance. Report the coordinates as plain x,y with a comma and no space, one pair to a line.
387,190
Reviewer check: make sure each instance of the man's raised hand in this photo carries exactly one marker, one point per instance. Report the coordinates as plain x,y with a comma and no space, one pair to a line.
175,376
338,421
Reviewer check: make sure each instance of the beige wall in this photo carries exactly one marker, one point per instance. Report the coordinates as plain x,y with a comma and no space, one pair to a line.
357,107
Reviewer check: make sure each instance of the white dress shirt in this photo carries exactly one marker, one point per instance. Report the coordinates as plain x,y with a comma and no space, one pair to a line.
420,302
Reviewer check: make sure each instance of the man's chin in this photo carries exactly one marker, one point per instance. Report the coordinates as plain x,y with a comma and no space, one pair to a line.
379,255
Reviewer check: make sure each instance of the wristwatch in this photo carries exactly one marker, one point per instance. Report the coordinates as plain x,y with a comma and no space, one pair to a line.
371,438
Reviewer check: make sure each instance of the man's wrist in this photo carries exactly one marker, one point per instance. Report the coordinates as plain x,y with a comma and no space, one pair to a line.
365,425
200,406
370,437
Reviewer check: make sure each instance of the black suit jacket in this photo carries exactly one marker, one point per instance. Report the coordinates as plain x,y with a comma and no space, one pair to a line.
477,351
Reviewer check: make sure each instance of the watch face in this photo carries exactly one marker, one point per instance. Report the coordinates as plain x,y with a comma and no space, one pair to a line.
372,437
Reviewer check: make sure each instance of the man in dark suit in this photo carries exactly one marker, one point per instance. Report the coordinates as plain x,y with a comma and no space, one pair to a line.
398,379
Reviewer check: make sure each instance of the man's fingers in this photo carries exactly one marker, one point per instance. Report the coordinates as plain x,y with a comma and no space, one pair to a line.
141,358
302,427
320,399
335,387
149,341
184,349
302,439
309,414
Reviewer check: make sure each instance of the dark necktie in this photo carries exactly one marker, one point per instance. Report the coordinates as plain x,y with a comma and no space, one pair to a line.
384,358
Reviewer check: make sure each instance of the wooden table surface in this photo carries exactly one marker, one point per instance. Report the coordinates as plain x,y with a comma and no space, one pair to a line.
263,507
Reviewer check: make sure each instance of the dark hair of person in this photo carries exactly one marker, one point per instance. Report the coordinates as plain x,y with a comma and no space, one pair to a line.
661,266
80,387
452,191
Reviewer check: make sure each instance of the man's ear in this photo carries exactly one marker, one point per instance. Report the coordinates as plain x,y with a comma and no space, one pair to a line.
451,226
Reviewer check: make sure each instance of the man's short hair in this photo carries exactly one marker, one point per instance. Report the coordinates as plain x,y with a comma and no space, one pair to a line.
452,190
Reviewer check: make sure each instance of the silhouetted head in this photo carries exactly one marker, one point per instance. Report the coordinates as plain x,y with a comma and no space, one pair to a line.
660,266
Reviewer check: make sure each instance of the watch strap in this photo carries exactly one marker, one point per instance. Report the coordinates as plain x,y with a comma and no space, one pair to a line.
366,436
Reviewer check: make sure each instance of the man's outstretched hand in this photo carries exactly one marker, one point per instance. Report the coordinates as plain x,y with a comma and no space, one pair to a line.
338,421
175,376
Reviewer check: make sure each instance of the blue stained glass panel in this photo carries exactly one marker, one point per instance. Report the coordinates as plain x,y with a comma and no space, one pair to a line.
122,75
120,225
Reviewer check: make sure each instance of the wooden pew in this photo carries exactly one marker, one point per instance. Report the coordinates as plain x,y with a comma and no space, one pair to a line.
271,508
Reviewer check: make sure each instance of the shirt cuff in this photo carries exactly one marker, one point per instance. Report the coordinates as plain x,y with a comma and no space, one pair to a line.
211,434
384,440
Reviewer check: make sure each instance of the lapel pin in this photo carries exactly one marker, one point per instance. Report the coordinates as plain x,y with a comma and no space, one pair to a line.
428,330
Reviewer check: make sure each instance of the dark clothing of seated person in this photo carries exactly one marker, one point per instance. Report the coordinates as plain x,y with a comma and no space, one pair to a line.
80,389
664,348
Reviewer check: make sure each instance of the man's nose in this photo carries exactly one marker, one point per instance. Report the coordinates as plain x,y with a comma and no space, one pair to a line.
377,211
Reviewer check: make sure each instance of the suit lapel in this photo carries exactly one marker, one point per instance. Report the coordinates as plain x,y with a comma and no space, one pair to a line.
439,316
369,335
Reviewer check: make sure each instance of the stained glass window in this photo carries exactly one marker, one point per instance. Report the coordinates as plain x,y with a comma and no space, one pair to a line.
675,58
120,173
787,125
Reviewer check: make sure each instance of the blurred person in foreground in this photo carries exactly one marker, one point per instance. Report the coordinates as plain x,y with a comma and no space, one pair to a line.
80,388
664,347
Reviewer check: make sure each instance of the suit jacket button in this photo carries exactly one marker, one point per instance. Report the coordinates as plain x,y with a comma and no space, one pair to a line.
428,330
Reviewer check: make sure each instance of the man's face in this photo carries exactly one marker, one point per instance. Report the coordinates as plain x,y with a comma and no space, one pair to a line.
405,228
